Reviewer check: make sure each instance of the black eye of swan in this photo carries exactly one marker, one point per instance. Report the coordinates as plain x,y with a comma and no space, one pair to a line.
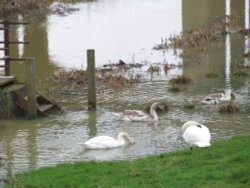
198,126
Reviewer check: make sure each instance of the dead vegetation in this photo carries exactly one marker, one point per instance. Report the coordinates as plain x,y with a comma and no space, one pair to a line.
194,42
181,79
113,76
11,8
228,108
212,74
200,38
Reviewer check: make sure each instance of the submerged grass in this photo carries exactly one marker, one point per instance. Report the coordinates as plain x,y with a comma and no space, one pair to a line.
181,79
224,164
212,74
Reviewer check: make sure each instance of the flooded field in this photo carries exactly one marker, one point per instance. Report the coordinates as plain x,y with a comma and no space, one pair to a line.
126,30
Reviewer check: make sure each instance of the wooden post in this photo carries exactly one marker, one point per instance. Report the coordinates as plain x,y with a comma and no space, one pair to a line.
91,79
31,84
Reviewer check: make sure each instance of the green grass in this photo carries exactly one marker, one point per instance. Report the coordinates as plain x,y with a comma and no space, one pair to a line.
224,164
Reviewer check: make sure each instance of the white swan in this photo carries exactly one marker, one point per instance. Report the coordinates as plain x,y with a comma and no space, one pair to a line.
106,142
138,115
216,98
196,134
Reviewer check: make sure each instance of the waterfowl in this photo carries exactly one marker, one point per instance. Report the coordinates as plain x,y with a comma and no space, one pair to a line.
216,98
106,142
196,134
138,115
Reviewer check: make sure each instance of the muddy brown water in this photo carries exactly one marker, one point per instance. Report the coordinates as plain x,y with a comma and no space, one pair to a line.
126,30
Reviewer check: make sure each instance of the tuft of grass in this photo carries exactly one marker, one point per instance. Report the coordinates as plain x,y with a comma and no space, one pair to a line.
223,164
181,80
241,73
228,108
189,105
174,88
212,75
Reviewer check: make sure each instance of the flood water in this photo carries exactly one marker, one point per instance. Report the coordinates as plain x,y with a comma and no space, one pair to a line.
126,30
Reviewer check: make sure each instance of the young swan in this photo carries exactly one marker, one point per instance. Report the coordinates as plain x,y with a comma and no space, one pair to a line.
196,134
106,142
216,98
138,115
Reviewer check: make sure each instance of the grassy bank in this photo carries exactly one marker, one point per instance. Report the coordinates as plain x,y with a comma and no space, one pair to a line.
224,164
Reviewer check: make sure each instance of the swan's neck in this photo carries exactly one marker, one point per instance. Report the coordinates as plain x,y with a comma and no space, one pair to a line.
153,113
228,94
122,137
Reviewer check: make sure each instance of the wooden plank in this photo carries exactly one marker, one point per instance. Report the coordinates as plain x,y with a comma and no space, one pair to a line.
15,42
21,102
5,80
4,58
44,107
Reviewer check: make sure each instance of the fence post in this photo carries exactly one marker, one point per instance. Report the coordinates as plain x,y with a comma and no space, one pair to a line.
91,79
6,48
31,84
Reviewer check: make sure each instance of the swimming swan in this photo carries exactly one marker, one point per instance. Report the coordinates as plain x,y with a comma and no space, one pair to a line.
106,142
216,98
138,115
196,134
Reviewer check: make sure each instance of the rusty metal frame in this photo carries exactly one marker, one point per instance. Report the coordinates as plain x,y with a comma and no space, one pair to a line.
7,42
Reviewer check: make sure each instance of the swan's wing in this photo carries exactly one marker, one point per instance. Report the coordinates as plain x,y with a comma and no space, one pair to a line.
214,96
199,136
141,118
101,142
132,115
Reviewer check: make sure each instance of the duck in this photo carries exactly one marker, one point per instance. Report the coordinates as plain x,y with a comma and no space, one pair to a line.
217,98
196,134
138,115
107,142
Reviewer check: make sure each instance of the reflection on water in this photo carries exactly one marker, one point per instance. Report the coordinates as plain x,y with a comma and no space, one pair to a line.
247,42
20,36
228,50
119,29
48,141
